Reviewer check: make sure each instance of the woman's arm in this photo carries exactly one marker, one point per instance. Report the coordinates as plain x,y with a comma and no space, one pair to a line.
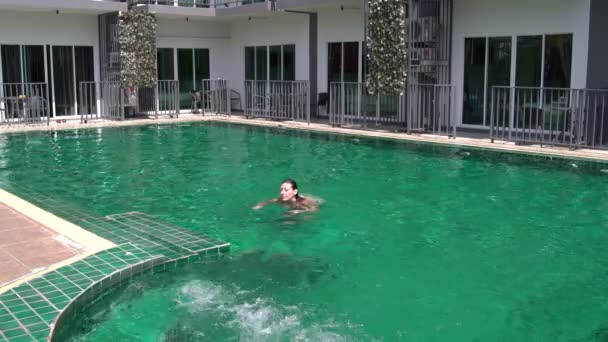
265,203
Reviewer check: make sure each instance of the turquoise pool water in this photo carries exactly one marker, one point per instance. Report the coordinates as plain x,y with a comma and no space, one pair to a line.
414,242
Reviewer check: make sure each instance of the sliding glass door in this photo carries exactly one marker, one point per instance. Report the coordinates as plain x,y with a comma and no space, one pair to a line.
11,64
33,64
289,62
201,66
61,67
474,81
84,71
487,64
541,62
63,80
558,61
164,64
185,75
529,61
192,67
342,62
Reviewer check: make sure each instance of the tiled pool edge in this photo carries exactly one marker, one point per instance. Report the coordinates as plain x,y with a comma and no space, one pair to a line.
154,265
481,143
33,309
465,142
94,290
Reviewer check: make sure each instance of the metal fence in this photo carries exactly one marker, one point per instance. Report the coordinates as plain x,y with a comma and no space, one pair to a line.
280,100
213,97
111,101
550,116
101,100
162,99
24,103
431,109
351,105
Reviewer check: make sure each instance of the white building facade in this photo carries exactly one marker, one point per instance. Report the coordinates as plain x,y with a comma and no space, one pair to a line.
535,43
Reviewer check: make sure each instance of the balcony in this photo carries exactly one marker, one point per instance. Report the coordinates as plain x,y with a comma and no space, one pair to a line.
65,6
196,3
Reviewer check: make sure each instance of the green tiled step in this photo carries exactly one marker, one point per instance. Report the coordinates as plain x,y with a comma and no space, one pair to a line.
150,234
28,311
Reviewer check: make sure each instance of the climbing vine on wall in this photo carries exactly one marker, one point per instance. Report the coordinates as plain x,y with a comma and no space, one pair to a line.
137,37
386,47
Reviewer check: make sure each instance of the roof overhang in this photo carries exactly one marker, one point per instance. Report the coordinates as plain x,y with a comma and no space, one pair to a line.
65,6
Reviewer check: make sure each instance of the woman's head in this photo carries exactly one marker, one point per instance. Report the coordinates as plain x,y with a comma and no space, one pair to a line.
289,190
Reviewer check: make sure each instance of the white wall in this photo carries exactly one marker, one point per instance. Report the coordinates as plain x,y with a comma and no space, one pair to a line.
485,18
280,29
179,33
39,28
336,26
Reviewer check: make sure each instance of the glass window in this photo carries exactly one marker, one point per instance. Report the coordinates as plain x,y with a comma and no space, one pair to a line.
249,63
63,80
289,62
11,74
343,62
275,62
499,61
164,62
260,63
334,63
84,69
558,61
474,81
185,75
499,68
365,62
11,64
529,56
351,62
201,65
33,63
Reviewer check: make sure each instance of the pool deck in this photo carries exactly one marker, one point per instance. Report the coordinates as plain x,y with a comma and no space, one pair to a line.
34,241
470,140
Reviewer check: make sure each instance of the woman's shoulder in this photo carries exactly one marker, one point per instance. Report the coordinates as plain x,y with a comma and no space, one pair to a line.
311,199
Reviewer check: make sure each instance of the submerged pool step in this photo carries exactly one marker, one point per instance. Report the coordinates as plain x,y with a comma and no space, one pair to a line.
152,233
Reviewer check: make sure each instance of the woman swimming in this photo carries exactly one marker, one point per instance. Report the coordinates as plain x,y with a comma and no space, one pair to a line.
291,197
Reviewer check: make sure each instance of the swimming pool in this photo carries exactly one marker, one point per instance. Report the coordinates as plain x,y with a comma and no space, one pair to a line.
414,241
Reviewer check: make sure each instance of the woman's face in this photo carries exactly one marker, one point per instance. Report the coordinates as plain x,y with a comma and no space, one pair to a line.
287,192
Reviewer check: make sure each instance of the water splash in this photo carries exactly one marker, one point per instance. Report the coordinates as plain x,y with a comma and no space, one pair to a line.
243,314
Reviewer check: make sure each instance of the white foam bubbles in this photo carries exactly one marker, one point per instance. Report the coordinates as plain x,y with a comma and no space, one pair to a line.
251,317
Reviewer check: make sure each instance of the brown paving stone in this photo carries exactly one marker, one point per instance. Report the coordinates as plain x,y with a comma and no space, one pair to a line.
19,235
46,259
35,247
12,223
11,269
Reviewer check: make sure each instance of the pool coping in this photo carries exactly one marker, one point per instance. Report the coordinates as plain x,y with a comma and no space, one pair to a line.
459,141
33,308
90,242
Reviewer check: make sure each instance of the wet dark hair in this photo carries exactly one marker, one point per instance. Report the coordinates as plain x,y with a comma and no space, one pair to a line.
293,184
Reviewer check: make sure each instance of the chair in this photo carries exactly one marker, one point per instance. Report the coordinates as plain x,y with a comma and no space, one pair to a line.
36,107
322,101
235,96
196,101
3,112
